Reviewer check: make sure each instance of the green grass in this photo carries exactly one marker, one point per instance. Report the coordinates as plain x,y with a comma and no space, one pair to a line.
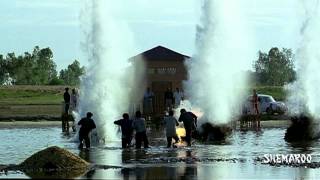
53,94
46,100
19,95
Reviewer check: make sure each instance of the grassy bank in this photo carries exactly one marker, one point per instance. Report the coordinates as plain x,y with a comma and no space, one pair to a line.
33,101
46,100
52,95
31,95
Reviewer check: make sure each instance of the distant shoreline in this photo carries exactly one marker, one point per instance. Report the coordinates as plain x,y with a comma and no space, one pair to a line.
11,124
29,124
30,118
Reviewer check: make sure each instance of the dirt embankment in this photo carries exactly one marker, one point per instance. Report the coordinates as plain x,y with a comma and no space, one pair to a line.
28,124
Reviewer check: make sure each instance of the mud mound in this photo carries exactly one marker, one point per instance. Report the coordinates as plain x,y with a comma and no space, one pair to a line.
54,162
302,128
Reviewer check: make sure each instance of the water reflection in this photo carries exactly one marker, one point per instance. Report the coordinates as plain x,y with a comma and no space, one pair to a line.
160,172
302,147
90,174
171,171
85,154
202,161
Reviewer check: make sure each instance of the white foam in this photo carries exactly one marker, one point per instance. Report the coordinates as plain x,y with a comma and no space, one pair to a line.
224,52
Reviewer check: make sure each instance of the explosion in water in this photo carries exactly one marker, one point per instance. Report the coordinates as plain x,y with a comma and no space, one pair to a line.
106,87
304,92
217,77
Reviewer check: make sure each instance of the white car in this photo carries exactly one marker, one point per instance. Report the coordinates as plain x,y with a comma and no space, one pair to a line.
266,104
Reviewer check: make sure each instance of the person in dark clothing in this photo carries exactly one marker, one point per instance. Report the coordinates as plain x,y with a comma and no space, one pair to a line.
148,100
168,98
66,97
126,129
139,126
87,124
190,123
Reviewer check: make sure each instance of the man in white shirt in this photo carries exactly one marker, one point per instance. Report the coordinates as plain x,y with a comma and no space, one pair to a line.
178,96
170,124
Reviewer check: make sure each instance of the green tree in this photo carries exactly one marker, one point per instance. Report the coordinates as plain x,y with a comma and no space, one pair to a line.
45,67
56,81
276,67
3,68
37,68
71,75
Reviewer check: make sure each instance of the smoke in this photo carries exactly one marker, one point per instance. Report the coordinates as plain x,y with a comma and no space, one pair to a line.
217,79
304,92
110,77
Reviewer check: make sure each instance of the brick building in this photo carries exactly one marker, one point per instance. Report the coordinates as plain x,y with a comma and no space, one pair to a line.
165,68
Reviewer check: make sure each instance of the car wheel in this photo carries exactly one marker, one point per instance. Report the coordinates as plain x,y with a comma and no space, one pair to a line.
269,111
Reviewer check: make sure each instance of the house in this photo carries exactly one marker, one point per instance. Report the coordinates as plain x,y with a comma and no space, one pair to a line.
165,68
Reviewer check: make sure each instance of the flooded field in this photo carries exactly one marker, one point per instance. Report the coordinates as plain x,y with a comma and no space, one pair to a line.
234,158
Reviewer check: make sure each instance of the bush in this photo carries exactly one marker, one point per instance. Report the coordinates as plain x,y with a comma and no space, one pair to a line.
56,81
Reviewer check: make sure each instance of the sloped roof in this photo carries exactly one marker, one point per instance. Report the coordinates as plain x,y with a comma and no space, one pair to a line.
161,53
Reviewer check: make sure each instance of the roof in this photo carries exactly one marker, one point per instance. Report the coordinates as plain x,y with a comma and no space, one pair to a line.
161,53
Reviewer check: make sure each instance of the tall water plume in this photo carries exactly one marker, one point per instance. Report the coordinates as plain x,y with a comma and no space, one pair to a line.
304,92
217,79
107,87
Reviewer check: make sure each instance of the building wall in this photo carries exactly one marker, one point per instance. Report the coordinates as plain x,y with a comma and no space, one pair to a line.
173,71
163,74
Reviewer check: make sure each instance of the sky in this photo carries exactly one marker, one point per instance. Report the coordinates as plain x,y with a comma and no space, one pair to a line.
171,23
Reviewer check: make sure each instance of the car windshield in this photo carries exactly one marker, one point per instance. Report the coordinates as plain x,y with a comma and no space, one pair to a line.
268,99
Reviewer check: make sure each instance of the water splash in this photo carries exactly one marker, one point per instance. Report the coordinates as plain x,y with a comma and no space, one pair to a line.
217,71
108,84
304,92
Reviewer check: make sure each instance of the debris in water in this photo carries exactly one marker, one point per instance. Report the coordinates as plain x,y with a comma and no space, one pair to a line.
54,162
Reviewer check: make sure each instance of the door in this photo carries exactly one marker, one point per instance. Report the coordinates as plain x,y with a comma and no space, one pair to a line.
159,88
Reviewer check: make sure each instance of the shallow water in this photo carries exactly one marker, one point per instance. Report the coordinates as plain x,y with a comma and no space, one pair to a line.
234,158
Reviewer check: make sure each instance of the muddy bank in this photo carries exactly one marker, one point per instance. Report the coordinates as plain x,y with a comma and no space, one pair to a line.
272,123
30,118
56,122
29,124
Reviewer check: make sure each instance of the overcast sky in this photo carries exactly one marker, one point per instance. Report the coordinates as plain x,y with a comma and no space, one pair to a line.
171,23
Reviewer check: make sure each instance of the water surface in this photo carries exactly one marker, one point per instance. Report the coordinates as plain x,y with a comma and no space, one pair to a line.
234,158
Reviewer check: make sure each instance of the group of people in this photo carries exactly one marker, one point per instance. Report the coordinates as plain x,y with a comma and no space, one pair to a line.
128,126
70,100
171,100
138,124
69,104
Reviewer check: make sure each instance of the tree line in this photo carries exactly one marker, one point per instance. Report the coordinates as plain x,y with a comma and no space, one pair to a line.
38,68
274,68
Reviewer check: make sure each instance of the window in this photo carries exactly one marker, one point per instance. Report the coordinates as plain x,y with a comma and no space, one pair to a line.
162,71
167,70
151,71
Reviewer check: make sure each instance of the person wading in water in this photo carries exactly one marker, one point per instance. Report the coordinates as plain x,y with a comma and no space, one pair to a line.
190,123
255,101
126,129
87,125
